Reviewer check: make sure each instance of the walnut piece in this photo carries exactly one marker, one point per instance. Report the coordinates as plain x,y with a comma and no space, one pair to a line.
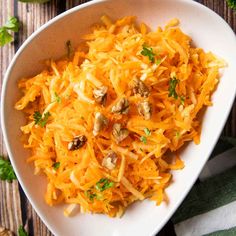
121,107
100,95
100,122
119,133
144,109
109,161
77,142
140,88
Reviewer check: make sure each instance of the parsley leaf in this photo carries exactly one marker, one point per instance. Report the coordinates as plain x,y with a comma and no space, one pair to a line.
158,61
172,86
182,99
11,25
6,170
39,119
104,184
147,131
22,232
143,139
177,134
57,98
90,195
231,4
147,51
5,37
56,165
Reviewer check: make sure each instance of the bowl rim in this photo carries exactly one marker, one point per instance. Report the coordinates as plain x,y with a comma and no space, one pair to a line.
3,99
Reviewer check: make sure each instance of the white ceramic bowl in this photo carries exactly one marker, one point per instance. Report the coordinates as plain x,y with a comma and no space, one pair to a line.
208,31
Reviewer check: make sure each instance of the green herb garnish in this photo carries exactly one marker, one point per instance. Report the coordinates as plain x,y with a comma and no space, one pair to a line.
56,165
182,99
6,170
231,4
148,51
143,139
57,98
158,61
147,131
104,184
172,86
11,25
89,194
41,120
22,232
177,134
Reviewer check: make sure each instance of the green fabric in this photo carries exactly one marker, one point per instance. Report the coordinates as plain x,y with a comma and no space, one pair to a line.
227,232
223,144
208,195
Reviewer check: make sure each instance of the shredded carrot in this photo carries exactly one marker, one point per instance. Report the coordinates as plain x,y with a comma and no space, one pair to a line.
85,164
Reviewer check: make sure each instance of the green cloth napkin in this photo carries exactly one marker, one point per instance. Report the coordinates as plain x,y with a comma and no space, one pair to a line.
210,207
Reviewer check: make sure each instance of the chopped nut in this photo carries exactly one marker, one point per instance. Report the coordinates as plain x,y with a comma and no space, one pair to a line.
140,88
121,107
100,123
100,95
144,109
5,232
109,161
119,133
77,142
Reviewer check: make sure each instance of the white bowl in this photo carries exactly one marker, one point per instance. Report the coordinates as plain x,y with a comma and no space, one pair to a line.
208,31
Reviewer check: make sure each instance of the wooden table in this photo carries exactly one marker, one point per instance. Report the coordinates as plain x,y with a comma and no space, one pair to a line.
15,209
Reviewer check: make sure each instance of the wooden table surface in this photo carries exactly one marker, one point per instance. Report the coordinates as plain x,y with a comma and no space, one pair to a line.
15,209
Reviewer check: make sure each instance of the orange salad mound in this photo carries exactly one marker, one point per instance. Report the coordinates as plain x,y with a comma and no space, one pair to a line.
102,123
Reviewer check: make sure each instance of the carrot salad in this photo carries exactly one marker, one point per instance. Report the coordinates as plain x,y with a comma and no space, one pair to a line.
102,123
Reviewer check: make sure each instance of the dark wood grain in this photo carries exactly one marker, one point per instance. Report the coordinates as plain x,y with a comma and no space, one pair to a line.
15,210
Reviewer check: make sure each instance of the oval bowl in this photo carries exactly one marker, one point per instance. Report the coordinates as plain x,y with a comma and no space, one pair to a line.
207,30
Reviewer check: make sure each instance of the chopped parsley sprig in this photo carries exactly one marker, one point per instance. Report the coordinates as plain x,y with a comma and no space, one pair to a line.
148,51
56,165
144,138
57,98
172,87
104,184
147,131
182,100
89,194
41,120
